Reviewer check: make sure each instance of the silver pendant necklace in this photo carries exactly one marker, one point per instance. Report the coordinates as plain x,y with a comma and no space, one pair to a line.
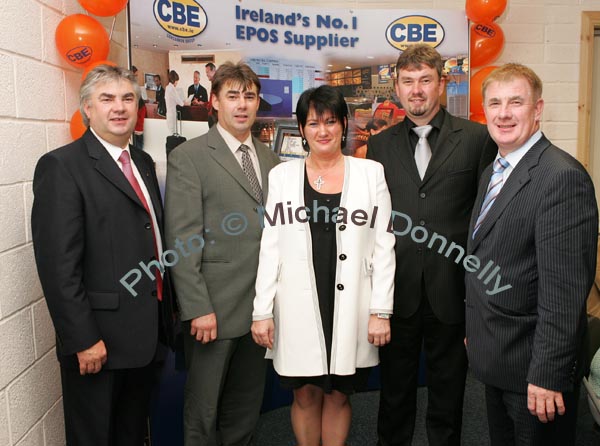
319,182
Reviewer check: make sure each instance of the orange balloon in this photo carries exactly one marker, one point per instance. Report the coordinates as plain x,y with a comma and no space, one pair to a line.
478,117
81,40
103,8
77,126
93,65
486,43
476,102
484,11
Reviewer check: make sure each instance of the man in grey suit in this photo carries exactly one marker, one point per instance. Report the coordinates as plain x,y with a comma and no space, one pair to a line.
532,245
215,186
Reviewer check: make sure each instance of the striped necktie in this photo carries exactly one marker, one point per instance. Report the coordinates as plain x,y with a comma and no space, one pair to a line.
496,183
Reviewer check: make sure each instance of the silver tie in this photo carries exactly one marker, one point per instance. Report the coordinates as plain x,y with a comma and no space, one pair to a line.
248,169
422,151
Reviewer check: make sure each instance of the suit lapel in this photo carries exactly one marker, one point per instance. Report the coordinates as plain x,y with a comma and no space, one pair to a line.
481,192
519,177
446,142
145,171
265,166
107,166
405,153
223,156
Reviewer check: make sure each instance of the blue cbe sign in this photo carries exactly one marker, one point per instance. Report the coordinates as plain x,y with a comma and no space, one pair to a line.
410,30
181,18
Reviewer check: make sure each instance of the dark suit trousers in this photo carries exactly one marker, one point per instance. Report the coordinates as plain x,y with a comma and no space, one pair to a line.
511,424
109,408
446,368
223,391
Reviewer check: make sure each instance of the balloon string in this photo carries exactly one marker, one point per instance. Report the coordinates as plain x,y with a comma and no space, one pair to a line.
112,28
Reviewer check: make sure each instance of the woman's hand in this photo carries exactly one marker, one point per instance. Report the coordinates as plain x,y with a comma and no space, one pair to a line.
379,331
263,332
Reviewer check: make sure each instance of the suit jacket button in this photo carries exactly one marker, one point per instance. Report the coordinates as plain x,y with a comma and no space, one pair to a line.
422,222
343,257
342,227
148,226
422,195
340,286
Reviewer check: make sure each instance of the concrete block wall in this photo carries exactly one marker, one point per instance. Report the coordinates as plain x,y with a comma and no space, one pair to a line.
39,97
40,93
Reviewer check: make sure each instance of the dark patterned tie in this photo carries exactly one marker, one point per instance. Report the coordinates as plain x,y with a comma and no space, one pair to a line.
248,169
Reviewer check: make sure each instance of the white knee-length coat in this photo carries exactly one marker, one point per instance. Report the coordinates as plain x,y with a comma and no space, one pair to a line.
364,283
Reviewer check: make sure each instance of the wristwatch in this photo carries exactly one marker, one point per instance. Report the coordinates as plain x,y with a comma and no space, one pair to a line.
383,315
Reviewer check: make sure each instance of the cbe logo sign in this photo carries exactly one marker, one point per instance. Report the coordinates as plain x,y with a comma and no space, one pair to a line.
410,30
485,31
181,18
80,54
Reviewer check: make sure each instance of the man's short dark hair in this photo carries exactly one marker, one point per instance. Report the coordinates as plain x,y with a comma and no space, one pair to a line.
239,74
415,56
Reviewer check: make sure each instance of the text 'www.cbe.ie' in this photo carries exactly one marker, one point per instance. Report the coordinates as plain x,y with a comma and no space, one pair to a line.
236,223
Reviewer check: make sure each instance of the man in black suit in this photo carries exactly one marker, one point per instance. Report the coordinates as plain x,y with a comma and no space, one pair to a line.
433,182
199,92
160,96
536,219
96,217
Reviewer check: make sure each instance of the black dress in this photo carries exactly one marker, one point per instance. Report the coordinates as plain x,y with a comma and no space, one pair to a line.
324,255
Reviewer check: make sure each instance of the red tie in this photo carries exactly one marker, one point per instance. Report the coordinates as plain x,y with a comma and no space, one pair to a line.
128,171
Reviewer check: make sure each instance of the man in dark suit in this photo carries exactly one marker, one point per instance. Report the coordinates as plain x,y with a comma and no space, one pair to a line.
433,181
160,96
199,92
536,219
96,216
215,186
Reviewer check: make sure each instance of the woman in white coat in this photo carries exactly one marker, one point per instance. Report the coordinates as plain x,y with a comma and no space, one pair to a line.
172,100
324,289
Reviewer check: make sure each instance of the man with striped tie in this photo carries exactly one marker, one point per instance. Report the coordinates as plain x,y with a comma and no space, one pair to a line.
536,218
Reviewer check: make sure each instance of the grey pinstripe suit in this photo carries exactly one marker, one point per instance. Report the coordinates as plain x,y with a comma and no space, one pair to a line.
541,231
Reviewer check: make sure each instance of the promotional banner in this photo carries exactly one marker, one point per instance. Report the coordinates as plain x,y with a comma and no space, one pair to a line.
293,48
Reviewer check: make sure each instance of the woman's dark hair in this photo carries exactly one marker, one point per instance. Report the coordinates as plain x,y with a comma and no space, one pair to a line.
323,99
173,76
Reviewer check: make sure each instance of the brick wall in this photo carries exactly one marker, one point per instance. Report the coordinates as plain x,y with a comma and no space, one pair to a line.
39,95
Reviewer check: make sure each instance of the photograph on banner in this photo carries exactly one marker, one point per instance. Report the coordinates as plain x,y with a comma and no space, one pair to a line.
292,48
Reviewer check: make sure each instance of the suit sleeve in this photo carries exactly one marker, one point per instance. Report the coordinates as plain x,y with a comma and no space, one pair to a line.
58,228
184,221
565,238
269,263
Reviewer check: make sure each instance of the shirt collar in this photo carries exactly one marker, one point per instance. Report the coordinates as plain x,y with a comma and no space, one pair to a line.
114,151
232,142
515,156
436,122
